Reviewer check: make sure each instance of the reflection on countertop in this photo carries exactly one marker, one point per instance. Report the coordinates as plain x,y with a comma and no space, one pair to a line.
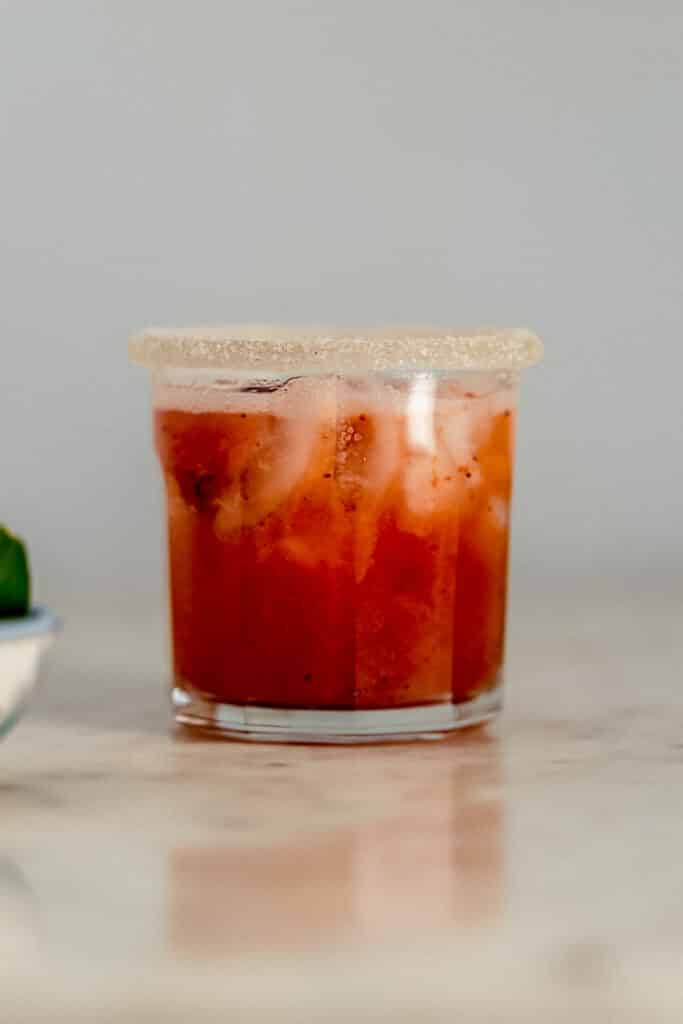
436,864
18,924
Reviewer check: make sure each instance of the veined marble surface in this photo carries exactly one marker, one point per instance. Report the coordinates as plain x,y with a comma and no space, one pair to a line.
530,871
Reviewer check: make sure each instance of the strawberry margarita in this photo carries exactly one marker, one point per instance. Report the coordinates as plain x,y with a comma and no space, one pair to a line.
338,547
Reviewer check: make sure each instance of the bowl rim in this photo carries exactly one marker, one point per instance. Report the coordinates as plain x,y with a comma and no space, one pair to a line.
39,621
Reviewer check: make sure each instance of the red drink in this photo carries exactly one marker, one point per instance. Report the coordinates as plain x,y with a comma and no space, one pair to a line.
321,557
338,549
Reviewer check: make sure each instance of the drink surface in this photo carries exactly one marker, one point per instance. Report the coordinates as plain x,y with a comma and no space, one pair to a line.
338,543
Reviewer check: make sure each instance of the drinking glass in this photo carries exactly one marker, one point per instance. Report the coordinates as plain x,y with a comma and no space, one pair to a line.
338,526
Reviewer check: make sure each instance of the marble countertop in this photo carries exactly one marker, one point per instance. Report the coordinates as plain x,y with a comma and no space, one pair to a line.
529,871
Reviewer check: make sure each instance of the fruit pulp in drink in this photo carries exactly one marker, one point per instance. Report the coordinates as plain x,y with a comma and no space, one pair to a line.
338,543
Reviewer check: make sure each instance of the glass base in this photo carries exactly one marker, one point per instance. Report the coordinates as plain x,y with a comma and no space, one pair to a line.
296,725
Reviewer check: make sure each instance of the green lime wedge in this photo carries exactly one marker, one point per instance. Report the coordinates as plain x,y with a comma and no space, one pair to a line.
15,584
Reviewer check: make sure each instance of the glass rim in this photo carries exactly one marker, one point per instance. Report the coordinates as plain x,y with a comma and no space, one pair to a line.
272,349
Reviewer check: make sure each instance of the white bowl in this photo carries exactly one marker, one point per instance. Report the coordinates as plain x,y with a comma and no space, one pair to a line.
22,643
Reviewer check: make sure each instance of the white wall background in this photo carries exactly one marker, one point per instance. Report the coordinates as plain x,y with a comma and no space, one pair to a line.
454,161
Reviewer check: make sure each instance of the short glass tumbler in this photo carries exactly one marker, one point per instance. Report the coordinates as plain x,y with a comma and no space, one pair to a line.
338,526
